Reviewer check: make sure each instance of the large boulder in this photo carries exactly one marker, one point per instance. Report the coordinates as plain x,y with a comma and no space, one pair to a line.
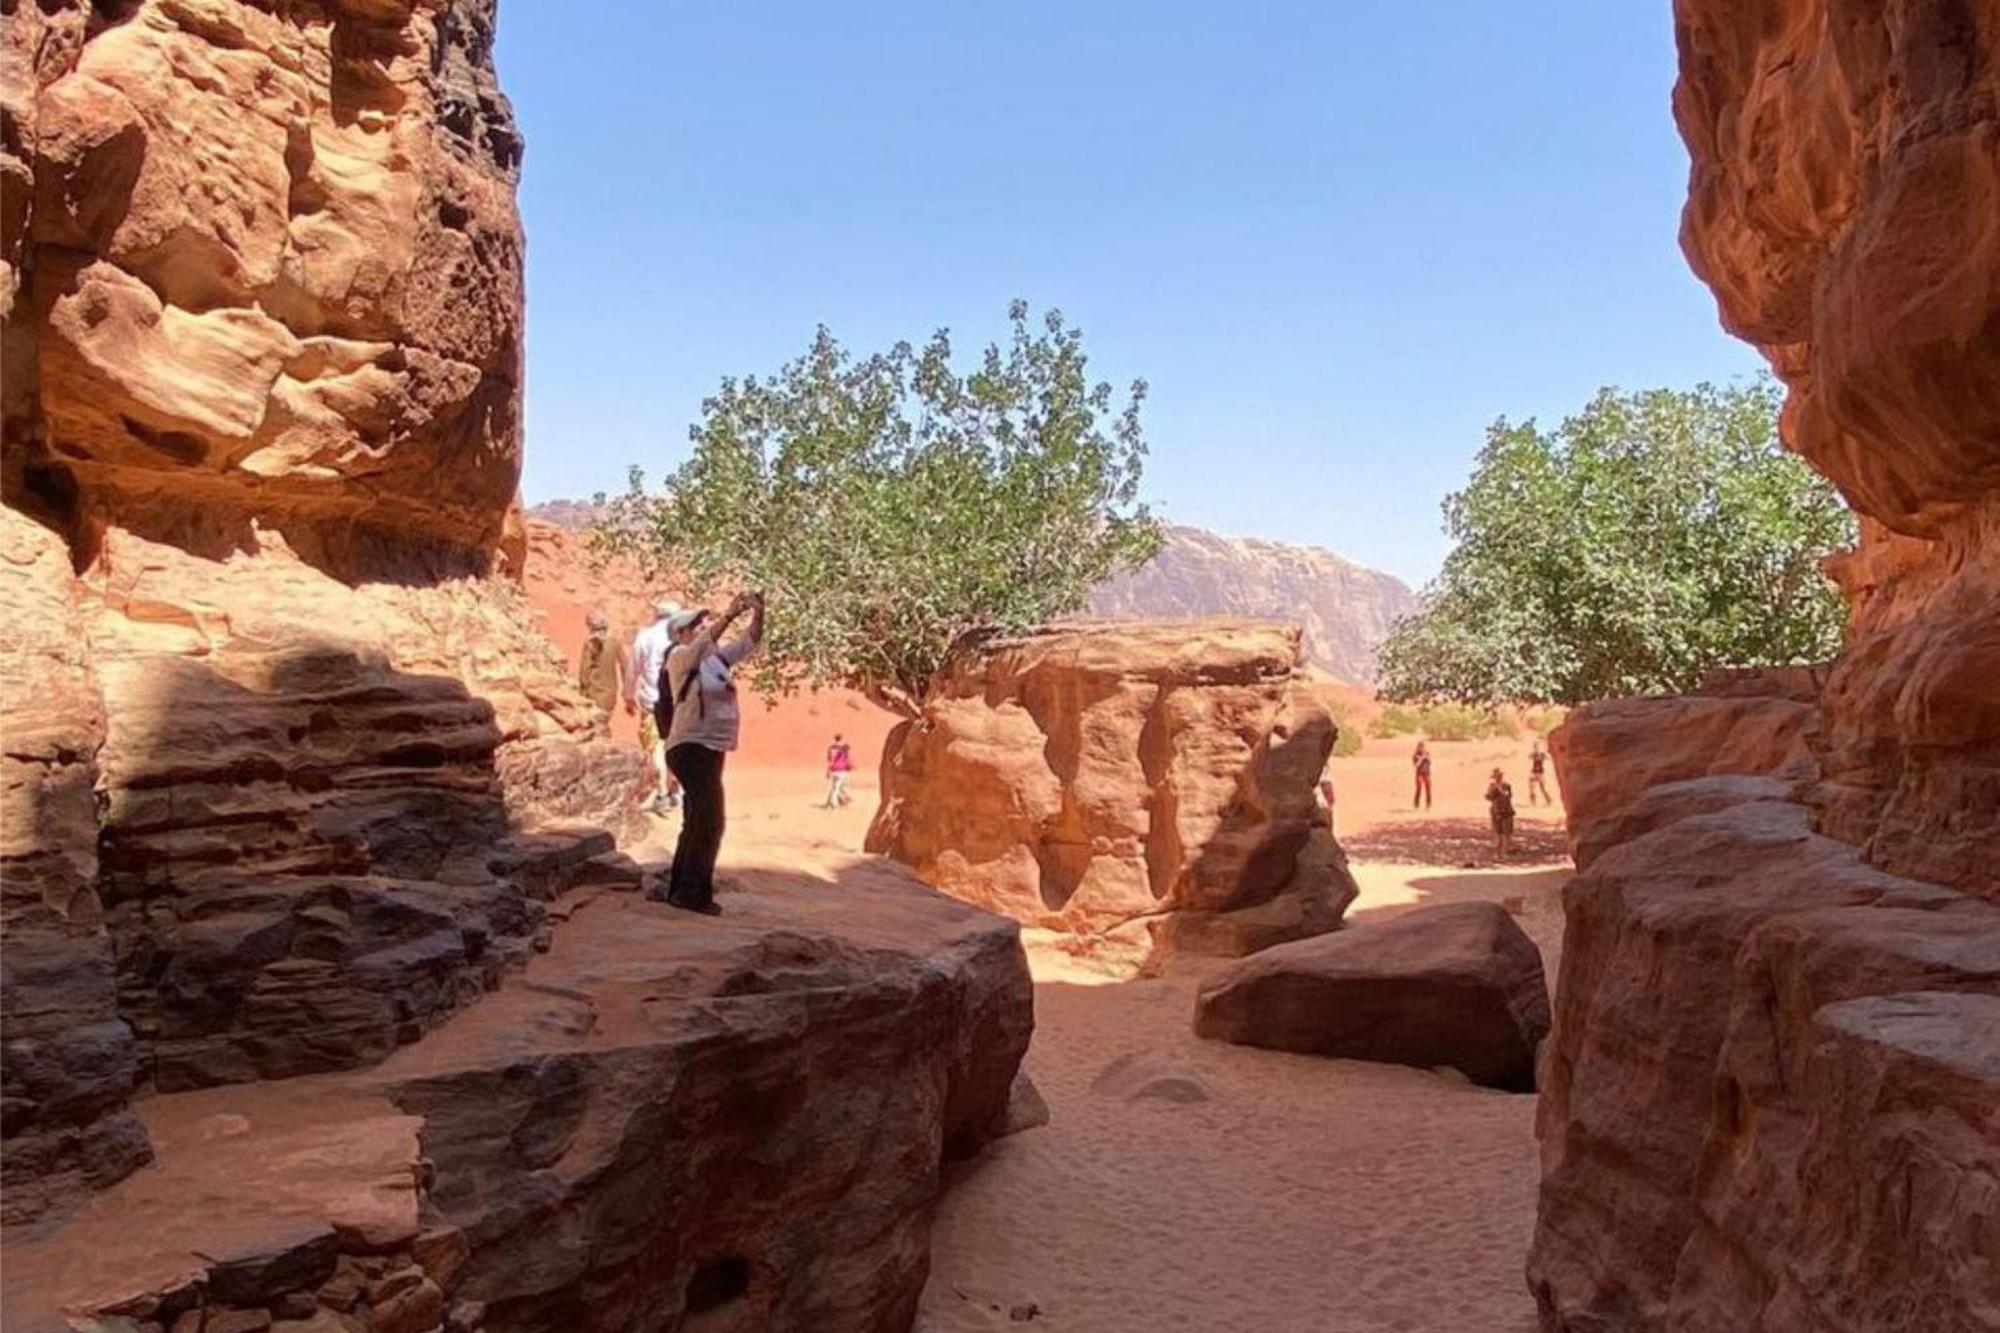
1769,1087
1146,788
1457,984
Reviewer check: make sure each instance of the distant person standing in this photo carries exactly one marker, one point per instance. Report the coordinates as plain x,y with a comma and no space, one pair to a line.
602,666
1420,765
642,696
1500,805
703,728
839,763
1538,783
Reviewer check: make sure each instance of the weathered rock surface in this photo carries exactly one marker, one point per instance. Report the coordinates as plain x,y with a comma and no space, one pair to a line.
1457,984
1146,787
1770,1089
272,275
1696,1122
67,1061
1846,159
275,729
1344,609
661,1118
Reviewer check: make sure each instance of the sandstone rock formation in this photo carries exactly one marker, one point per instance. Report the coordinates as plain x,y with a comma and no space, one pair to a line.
1345,609
1770,1087
1144,787
286,765
1457,984
274,723
660,1122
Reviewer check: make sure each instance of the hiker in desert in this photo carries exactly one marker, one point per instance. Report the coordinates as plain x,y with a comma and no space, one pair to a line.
839,763
1420,766
1538,783
601,667
1500,806
642,696
699,717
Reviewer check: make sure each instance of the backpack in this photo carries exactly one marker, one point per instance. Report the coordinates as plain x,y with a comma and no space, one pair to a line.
665,699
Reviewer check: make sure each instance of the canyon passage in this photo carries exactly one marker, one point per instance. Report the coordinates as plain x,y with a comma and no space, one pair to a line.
336,998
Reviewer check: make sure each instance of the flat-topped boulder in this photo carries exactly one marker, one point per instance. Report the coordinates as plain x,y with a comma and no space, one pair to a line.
1457,984
1143,787
661,1114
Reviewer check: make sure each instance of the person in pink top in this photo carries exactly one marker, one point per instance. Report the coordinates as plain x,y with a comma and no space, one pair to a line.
839,763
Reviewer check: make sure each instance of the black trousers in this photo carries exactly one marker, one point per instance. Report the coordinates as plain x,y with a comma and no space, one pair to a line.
699,770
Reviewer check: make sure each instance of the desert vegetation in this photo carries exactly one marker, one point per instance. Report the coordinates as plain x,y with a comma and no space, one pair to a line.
1642,543
891,502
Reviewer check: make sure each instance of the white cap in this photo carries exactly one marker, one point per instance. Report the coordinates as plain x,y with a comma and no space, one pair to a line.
665,607
681,620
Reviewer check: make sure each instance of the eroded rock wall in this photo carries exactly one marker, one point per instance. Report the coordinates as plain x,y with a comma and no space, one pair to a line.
275,717
1769,1096
1146,787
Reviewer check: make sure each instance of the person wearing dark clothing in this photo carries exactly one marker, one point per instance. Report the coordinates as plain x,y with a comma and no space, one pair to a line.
1420,764
1538,783
1500,804
700,720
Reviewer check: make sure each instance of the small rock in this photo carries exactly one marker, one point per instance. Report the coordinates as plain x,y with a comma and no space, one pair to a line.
414,1308
1021,1314
237,1321
295,1305
344,1289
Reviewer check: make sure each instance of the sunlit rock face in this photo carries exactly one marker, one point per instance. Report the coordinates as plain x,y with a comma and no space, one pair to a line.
274,717
1845,207
1144,787
1768,1099
271,271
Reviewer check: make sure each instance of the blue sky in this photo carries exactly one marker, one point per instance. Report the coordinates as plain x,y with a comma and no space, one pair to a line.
1338,238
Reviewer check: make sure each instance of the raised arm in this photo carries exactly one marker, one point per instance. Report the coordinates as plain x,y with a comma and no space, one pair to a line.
746,643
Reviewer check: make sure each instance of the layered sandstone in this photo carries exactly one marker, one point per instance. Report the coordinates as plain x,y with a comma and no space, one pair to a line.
1769,1096
292,917
1144,788
275,726
663,1122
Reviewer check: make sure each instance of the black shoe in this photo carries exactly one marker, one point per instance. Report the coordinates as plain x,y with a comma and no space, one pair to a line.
706,909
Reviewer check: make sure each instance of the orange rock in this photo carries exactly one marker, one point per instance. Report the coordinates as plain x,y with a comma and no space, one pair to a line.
1145,786
1775,1057
1458,984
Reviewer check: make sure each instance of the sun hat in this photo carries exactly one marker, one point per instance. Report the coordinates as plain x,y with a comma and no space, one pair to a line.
681,620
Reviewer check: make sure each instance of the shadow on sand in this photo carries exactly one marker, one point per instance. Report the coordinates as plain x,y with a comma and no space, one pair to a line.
1457,842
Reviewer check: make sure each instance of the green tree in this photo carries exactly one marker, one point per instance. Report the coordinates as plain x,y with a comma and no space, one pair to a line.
1649,539
888,504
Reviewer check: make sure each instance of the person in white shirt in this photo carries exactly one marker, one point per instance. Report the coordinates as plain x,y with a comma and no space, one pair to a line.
703,720
642,697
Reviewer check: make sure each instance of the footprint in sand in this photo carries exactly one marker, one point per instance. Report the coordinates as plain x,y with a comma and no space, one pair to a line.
1144,1076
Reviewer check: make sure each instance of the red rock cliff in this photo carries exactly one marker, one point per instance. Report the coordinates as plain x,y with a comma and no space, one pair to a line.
273,715
1769,1094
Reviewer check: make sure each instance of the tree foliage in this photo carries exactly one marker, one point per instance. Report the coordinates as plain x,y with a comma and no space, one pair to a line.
889,503
1649,539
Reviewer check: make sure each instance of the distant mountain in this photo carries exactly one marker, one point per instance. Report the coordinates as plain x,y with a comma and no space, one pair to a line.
1346,608
576,515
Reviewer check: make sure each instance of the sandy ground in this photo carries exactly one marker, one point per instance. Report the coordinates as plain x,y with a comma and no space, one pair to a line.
1183,1184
